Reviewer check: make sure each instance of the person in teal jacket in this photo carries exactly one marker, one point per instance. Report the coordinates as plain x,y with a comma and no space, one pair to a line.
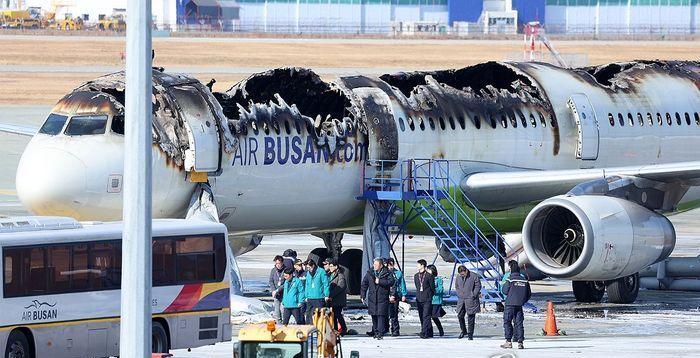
317,289
400,295
437,299
292,297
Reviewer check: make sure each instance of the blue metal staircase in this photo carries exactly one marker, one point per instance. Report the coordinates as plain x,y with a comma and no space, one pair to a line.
434,197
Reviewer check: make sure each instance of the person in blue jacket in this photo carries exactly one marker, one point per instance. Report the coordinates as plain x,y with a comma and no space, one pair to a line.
399,296
317,289
437,299
292,297
518,292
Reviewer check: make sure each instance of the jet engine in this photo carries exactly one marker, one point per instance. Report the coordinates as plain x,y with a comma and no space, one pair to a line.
595,238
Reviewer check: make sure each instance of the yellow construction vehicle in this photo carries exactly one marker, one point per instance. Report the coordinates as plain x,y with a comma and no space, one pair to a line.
268,340
18,19
114,22
68,23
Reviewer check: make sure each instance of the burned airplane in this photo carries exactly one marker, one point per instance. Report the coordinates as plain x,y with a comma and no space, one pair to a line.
606,151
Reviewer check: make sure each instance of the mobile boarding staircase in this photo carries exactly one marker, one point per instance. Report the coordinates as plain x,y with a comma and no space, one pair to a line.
422,189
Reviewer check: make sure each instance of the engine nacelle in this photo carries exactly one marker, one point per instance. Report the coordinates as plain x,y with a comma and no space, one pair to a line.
595,238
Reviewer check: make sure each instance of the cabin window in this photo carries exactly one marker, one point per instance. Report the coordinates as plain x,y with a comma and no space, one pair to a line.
669,121
630,119
460,119
477,121
254,125
276,127
513,120
411,124
640,119
401,125
621,119
611,119
533,122
697,118
431,122
678,119
543,122
650,119
452,123
523,120
687,118
297,127
659,119
266,128
493,121
287,129
442,123
422,123
504,121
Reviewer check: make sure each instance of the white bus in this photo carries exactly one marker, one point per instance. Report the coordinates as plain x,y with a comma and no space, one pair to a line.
60,295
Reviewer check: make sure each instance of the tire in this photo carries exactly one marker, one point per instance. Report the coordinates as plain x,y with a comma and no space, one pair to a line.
351,262
624,290
18,346
588,291
159,339
101,27
318,255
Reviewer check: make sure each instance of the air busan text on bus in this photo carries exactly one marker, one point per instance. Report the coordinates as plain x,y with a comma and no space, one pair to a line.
606,151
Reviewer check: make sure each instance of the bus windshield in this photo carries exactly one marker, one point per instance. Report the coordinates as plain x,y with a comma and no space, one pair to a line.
87,125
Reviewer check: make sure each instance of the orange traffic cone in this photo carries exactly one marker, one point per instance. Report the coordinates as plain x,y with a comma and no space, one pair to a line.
550,326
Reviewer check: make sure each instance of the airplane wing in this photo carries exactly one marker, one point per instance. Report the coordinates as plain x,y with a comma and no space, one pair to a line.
501,190
19,129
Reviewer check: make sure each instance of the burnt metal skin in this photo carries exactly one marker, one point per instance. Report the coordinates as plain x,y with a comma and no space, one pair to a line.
294,146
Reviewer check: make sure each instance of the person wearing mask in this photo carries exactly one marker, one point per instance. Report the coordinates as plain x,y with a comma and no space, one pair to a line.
316,289
338,293
275,282
437,310
377,286
425,288
293,297
399,296
517,291
468,289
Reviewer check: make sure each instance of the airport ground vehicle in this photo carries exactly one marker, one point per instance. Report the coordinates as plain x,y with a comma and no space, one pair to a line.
69,23
61,286
18,19
292,341
114,22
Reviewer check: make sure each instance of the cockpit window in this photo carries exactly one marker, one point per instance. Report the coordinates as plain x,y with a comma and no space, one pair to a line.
87,125
54,124
118,124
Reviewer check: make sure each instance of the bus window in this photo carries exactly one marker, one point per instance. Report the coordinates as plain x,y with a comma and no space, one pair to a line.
79,268
195,259
59,266
163,263
101,266
37,270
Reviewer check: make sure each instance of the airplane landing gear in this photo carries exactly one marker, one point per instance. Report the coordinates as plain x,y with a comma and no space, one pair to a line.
588,291
624,289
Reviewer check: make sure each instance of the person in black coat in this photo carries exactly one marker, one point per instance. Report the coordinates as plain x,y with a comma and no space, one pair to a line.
518,292
337,299
377,287
425,289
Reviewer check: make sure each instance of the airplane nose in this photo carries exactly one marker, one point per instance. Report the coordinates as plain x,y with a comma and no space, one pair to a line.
51,181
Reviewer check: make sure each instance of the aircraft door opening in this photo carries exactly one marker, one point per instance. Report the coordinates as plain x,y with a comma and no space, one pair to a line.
587,126
203,155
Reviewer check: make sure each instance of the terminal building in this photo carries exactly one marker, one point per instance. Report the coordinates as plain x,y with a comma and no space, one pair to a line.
404,17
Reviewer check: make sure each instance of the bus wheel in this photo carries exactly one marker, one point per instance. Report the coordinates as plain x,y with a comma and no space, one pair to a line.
159,339
18,346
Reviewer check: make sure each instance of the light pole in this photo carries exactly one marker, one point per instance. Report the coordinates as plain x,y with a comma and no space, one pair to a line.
135,334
